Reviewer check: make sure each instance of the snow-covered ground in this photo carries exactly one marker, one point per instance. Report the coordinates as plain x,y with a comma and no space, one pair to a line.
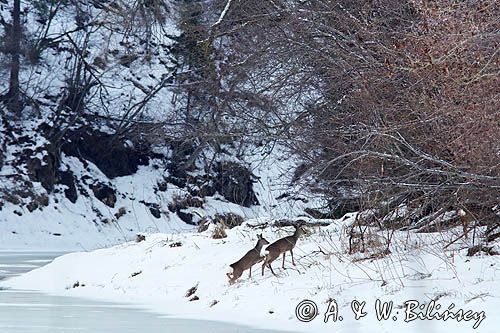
157,275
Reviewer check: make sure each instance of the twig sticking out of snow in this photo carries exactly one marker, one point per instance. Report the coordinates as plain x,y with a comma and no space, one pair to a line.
192,290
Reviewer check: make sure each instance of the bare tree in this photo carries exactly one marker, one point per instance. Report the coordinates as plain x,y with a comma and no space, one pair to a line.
409,110
392,102
12,47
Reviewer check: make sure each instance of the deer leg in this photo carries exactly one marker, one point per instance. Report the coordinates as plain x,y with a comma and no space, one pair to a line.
250,275
293,263
283,266
231,280
263,265
271,268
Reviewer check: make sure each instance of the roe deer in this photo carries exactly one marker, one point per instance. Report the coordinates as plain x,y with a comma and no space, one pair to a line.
280,246
247,261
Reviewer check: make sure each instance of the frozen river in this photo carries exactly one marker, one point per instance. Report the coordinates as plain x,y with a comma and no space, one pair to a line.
27,311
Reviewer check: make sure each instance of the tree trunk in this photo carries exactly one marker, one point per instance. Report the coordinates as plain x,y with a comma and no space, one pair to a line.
13,99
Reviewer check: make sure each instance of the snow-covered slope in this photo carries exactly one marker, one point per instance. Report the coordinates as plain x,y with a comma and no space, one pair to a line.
159,272
127,59
63,225
89,223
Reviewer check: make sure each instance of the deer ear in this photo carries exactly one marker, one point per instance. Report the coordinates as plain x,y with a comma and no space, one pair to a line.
259,236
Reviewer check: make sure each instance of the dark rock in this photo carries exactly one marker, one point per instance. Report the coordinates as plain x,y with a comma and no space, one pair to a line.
180,203
24,193
68,179
105,194
112,156
99,62
43,171
162,186
122,211
172,207
155,211
154,208
32,206
25,139
186,217
231,180
179,182
12,198
206,190
235,183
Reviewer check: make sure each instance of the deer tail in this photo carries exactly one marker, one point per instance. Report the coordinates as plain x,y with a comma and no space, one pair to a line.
264,251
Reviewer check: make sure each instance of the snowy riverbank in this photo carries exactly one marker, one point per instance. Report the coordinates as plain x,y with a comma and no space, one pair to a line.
157,273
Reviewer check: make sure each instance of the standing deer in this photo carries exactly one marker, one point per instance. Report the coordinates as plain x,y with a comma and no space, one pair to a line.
247,261
280,246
